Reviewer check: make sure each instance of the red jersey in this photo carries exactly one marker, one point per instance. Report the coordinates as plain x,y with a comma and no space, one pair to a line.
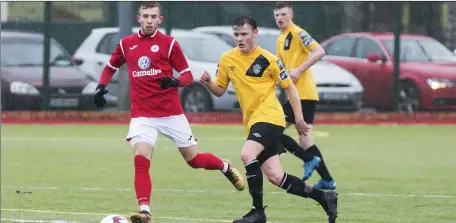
149,58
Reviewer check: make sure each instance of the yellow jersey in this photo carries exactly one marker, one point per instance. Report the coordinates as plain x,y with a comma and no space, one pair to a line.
293,48
254,77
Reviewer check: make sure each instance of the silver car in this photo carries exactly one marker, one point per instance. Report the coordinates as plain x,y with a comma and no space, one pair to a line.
338,89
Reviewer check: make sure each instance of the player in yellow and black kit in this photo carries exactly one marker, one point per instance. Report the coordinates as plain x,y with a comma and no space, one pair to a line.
299,51
254,73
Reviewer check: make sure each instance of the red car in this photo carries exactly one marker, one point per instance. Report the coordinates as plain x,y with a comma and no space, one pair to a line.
427,69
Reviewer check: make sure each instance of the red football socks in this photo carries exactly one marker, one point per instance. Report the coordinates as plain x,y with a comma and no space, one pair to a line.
143,184
206,161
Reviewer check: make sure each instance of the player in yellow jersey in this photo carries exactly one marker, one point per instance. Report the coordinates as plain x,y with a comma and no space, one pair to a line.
299,51
254,73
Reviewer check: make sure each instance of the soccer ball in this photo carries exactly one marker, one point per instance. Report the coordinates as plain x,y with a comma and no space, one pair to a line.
114,218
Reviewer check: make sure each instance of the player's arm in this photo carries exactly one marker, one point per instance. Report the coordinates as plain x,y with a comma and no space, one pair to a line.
179,63
293,97
281,76
115,62
312,46
219,86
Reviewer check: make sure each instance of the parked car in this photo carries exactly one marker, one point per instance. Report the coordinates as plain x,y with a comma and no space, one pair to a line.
202,51
266,38
427,69
338,89
22,74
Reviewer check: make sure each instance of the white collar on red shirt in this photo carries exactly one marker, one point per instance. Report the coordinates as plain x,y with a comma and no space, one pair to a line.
141,34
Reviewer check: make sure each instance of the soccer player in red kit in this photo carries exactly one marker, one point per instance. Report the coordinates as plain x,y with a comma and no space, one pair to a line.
151,57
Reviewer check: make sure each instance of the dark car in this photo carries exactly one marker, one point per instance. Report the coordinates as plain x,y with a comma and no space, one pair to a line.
22,75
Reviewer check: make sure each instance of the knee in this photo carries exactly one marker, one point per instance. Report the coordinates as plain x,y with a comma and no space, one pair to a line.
247,157
143,149
275,178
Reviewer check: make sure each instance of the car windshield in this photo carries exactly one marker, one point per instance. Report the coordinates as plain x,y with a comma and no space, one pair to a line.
421,50
268,42
29,52
203,49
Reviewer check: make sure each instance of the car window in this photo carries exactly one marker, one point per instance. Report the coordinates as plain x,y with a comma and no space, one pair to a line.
29,52
268,42
203,49
421,50
364,46
108,43
341,47
228,39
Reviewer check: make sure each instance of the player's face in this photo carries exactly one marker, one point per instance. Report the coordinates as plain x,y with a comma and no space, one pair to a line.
283,17
149,19
244,37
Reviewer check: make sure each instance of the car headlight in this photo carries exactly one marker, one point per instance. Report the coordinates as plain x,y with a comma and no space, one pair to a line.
19,87
90,88
437,83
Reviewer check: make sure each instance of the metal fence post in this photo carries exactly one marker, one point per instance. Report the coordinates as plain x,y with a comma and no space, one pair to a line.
45,90
124,15
397,38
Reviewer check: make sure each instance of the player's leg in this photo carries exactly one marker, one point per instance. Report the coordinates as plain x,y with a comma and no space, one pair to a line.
209,161
178,129
254,176
142,136
307,142
311,161
261,136
273,170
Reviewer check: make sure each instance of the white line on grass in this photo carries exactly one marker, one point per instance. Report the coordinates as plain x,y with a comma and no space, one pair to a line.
402,195
35,221
105,214
220,191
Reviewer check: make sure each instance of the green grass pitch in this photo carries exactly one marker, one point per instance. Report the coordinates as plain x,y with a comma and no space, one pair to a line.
79,173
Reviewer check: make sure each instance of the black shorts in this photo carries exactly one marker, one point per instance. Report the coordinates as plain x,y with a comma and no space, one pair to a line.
308,111
268,135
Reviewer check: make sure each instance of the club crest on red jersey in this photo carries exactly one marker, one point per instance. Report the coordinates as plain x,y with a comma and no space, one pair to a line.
154,48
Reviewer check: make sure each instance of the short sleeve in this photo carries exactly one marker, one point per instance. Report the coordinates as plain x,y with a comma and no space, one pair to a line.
221,75
280,74
308,43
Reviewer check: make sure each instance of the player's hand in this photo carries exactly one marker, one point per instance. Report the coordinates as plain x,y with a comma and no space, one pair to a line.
302,127
294,74
168,82
98,98
205,78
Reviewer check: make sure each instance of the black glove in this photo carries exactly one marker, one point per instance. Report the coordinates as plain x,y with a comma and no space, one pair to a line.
98,98
168,82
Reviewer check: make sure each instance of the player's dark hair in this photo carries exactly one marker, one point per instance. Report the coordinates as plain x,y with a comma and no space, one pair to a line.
147,5
245,19
279,5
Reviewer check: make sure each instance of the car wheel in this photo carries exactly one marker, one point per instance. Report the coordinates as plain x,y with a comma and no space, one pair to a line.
5,105
357,105
196,99
409,97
